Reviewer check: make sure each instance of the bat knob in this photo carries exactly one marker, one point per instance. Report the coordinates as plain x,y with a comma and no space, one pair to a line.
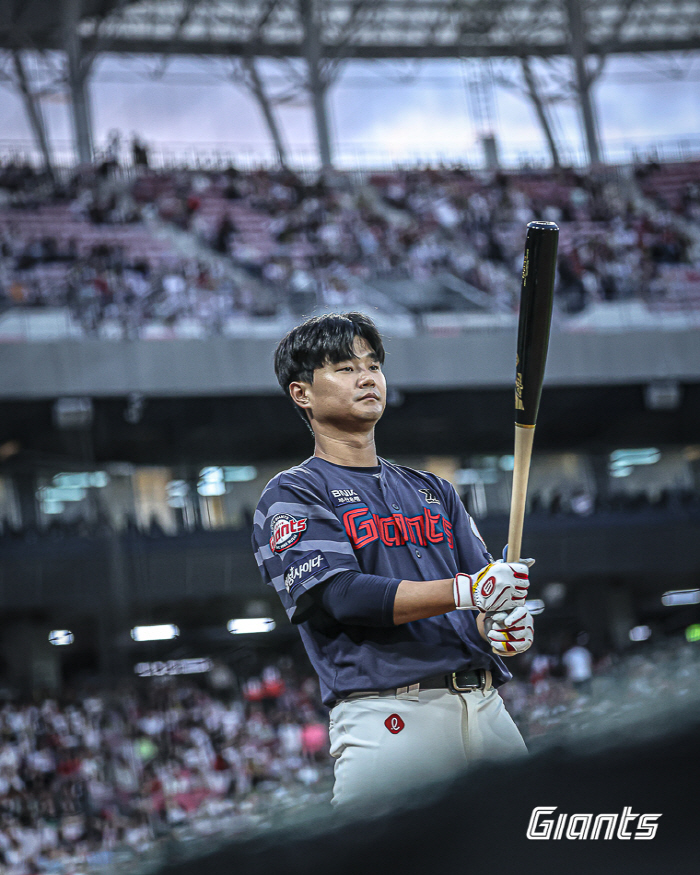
543,226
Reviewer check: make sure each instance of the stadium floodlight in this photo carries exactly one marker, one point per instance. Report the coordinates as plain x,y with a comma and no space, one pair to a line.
534,606
211,482
644,456
681,597
623,462
621,472
61,637
81,479
163,632
640,633
692,633
250,625
177,492
240,474
60,493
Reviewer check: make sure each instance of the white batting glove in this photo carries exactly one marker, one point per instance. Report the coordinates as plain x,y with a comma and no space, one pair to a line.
497,587
510,633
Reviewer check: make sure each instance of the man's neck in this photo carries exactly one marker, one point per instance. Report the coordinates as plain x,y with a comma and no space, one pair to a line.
350,450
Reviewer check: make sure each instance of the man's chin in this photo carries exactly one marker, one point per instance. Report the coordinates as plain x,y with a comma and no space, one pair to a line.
370,413
370,404
367,417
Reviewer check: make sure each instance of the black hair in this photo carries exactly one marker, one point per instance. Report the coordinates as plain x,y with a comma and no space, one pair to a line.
321,340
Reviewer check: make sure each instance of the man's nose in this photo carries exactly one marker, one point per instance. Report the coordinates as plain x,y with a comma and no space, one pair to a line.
366,377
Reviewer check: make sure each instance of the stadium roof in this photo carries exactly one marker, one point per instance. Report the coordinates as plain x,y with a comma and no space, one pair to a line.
357,28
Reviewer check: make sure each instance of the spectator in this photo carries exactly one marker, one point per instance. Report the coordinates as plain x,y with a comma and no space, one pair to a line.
139,152
578,663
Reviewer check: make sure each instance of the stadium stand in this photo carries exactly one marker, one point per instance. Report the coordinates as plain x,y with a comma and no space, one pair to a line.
184,253
108,775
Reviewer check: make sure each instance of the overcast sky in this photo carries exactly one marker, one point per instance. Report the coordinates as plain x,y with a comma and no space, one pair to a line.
378,112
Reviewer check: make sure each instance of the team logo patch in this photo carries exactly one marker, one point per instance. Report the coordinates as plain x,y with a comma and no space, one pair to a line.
476,531
394,724
488,586
303,569
429,495
286,531
344,496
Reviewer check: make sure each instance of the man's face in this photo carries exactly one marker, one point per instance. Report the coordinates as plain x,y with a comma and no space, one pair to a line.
346,395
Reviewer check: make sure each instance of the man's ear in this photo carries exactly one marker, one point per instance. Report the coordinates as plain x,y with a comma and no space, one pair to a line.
299,393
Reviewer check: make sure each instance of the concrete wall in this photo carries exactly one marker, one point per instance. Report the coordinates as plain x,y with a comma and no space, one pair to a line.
221,366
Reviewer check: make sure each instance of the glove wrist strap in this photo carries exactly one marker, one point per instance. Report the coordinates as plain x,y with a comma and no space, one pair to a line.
462,592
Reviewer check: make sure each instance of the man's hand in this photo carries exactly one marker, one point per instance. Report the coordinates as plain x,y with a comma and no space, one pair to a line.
510,633
528,562
497,587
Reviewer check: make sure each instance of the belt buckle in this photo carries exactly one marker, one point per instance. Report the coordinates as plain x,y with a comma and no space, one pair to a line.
468,689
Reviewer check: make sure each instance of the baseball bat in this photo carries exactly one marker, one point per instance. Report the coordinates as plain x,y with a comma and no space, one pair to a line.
536,296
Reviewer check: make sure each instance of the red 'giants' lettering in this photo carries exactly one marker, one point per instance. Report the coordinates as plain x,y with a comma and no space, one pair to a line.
363,527
360,531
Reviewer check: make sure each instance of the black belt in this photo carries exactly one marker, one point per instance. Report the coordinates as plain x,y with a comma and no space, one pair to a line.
457,681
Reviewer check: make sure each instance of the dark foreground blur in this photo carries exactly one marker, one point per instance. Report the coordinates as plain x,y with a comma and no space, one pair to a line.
165,771
480,823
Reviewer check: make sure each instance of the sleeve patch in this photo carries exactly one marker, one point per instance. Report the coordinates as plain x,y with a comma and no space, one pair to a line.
303,569
285,531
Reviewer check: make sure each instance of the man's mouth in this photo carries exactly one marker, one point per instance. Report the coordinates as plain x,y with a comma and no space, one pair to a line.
372,395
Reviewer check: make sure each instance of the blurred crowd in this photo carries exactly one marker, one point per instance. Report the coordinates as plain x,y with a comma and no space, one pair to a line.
574,693
106,778
85,244
579,502
203,248
110,775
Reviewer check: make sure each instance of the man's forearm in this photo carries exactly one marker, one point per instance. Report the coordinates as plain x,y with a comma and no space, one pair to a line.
418,599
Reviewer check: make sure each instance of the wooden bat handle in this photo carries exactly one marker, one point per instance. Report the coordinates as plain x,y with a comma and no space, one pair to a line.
524,436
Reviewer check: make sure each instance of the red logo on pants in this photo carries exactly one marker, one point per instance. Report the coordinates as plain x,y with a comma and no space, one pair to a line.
394,723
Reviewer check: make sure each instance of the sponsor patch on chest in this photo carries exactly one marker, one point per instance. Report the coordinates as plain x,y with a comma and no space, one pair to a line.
285,530
303,569
344,496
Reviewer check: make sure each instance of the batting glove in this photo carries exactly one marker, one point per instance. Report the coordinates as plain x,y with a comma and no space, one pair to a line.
528,562
510,633
497,587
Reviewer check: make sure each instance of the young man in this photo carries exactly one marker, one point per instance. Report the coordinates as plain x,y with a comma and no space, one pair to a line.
388,579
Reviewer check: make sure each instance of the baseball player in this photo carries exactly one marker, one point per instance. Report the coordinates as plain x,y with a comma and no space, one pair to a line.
401,608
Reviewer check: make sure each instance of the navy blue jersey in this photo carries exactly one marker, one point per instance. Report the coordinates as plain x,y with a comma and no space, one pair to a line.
318,519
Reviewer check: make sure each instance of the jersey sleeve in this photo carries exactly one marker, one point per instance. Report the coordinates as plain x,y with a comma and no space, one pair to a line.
298,540
470,549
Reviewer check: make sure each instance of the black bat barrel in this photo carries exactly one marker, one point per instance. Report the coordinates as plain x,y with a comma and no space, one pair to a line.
536,296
